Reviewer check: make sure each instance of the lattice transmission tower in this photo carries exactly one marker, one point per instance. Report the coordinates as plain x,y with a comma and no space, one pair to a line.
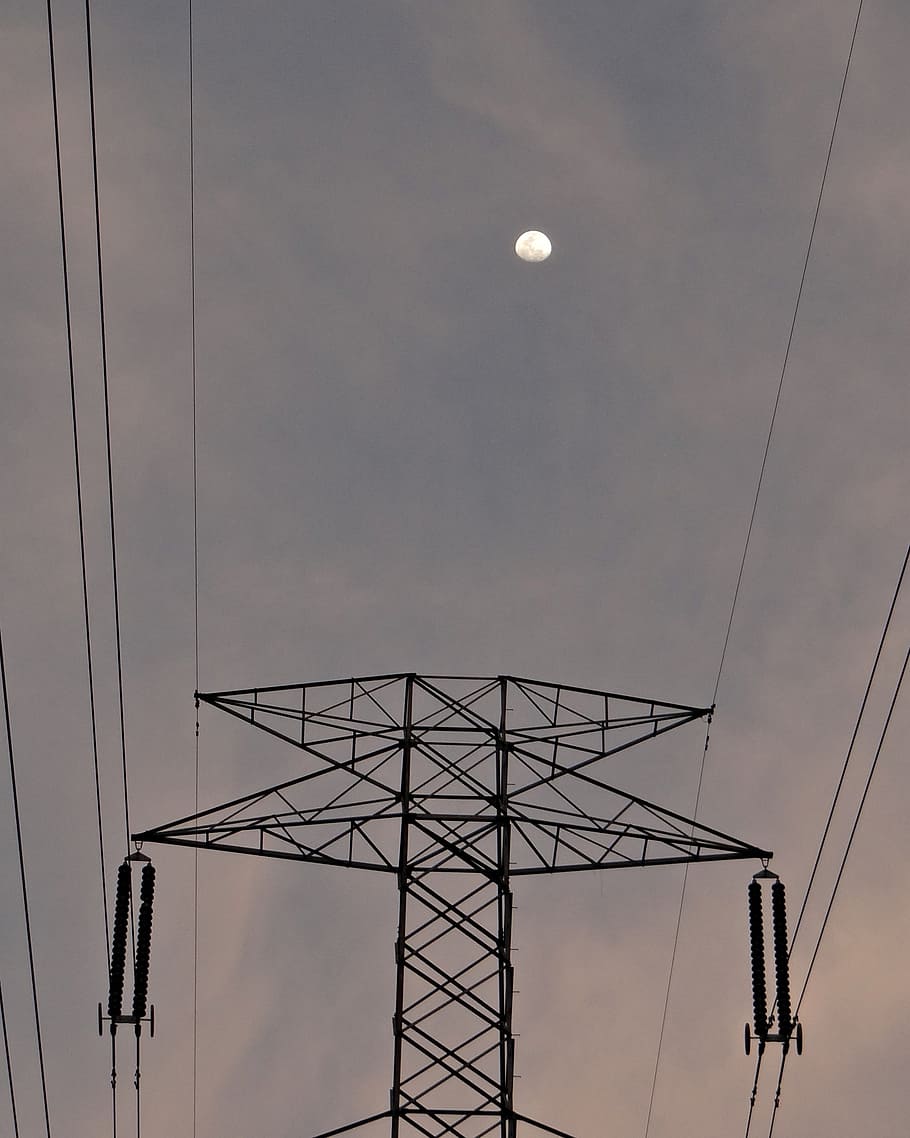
454,786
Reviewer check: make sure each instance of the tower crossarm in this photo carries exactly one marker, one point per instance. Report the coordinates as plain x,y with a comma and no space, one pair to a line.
563,836
638,834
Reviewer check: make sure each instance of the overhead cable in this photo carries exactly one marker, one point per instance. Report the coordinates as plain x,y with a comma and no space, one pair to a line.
25,905
78,473
853,738
192,141
825,835
9,1064
783,370
764,461
854,827
107,421
679,917
840,872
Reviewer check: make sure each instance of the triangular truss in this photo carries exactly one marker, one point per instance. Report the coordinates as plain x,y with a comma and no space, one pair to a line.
346,808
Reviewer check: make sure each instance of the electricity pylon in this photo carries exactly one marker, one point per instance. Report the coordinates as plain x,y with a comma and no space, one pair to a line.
454,786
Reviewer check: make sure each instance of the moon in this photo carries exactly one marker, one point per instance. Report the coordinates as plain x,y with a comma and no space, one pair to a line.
533,246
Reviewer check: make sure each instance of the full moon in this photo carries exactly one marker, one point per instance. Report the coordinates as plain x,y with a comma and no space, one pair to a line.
533,246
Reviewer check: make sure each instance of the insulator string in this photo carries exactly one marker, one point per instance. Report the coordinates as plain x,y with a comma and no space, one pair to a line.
141,959
781,965
143,944
757,944
118,948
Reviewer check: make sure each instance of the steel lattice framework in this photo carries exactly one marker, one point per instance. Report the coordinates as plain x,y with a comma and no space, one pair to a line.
455,785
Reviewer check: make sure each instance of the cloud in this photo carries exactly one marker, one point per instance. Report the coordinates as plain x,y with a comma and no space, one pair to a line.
414,452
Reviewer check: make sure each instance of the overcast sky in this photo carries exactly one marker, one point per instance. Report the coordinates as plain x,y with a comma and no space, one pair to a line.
416,452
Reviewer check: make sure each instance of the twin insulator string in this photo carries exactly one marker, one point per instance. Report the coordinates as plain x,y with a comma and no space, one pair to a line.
763,1021
117,974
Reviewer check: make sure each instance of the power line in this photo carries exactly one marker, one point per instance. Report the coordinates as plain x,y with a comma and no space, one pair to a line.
110,498
853,737
767,449
840,872
780,1083
758,488
783,371
679,917
25,904
192,140
754,1094
840,783
859,811
107,422
9,1064
78,475
856,728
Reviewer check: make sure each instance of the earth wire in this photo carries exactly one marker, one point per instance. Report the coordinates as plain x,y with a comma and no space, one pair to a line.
783,371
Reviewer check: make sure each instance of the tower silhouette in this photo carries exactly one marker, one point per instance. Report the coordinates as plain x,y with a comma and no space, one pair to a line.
454,786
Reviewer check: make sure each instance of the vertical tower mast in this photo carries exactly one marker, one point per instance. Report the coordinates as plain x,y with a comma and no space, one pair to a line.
454,1049
454,785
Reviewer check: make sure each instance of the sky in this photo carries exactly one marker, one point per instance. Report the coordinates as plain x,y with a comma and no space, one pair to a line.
417,453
